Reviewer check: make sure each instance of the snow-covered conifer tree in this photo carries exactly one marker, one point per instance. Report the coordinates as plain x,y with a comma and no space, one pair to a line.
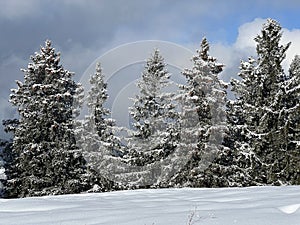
152,108
47,158
2,168
202,121
258,109
154,115
104,126
6,153
244,163
293,102
97,138
290,122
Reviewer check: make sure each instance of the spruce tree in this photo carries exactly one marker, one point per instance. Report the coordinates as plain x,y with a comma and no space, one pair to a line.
202,121
154,119
98,141
47,159
290,122
98,118
6,155
245,164
293,103
261,138
2,167
153,107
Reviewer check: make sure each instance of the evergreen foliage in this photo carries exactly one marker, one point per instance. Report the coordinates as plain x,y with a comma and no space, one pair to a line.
10,125
2,171
47,160
244,162
96,99
97,139
153,109
260,114
290,122
154,117
202,121
194,137
6,155
5,148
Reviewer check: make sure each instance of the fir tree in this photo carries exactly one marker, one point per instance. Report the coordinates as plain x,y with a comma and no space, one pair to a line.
202,121
47,159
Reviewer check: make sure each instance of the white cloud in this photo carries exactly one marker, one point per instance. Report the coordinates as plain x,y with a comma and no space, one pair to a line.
294,37
244,47
247,33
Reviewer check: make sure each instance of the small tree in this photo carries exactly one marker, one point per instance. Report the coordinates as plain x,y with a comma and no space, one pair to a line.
104,127
47,158
152,109
154,118
100,145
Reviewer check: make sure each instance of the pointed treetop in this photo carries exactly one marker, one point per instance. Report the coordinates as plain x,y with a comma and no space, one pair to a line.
156,60
98,68
157,56
98,75
97,95
47,48
269,41
156,53
271,27
271,32
47,54
204,49
203,56
48,43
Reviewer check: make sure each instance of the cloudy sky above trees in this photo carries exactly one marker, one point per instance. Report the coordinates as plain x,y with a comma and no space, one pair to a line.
83,30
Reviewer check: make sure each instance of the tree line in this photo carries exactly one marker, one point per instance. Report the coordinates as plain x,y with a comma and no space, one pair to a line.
194,137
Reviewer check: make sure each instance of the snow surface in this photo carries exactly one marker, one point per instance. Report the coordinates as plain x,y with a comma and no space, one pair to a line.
224,206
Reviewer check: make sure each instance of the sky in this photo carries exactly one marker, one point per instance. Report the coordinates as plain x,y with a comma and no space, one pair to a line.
84,30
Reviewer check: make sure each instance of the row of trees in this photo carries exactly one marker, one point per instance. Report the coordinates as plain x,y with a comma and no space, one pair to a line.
195,137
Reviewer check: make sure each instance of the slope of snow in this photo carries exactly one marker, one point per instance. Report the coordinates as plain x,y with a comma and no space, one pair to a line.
224,206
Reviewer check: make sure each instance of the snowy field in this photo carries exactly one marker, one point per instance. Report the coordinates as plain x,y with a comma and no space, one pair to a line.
241,206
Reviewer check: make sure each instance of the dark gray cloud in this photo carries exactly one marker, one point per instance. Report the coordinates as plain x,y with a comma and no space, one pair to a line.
81,30
84,29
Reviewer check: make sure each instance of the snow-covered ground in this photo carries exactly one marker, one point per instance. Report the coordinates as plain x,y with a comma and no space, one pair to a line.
241,206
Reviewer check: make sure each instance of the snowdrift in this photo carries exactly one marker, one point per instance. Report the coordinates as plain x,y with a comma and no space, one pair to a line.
224,206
